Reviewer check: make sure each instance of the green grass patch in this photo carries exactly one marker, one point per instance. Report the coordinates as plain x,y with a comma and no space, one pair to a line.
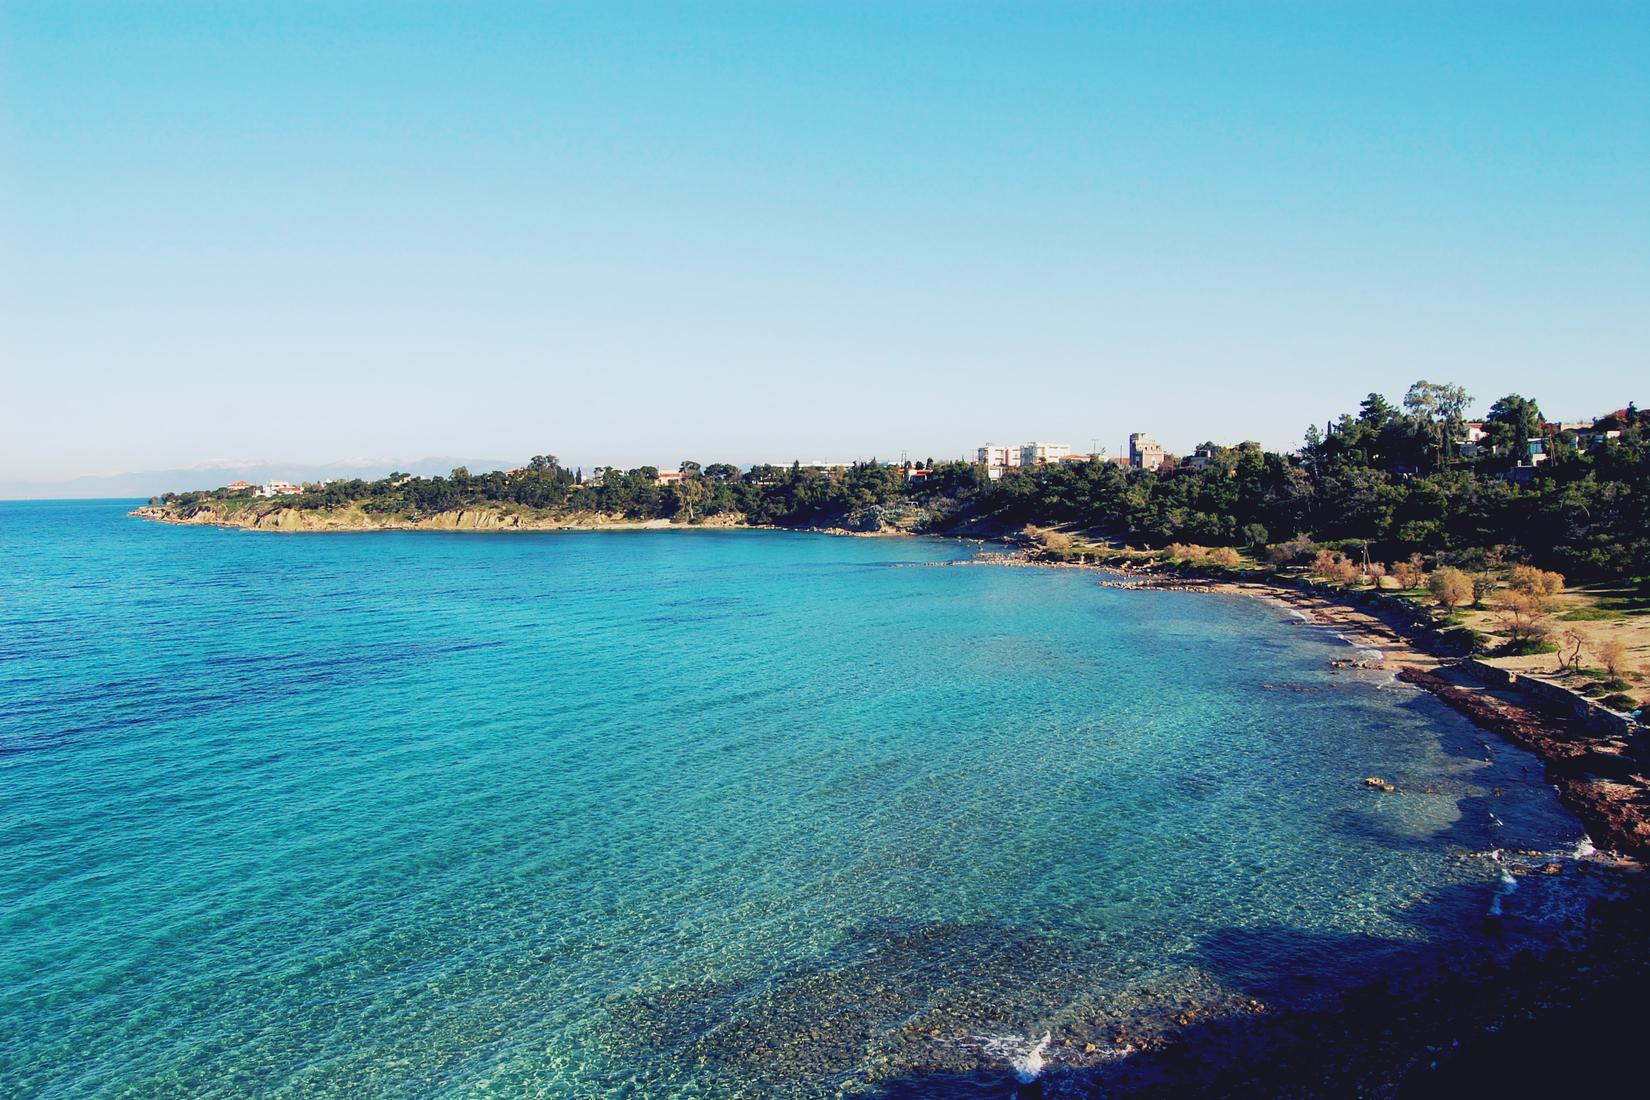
1632,598
1620,702
1592,615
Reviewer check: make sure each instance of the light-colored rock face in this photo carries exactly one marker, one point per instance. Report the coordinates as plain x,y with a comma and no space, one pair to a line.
290,519
470,519
284,519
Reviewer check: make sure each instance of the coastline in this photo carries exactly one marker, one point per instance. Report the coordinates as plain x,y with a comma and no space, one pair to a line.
296,521
1443,1026
1431,1018
1596,775
1597,778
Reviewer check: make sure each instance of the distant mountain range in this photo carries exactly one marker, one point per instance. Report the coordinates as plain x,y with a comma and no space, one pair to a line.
213,475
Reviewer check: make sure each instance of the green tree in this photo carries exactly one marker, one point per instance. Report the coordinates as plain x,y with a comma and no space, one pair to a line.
1376,412
1440,407
1511,423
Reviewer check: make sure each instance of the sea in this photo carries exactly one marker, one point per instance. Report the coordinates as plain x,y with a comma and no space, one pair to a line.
691,814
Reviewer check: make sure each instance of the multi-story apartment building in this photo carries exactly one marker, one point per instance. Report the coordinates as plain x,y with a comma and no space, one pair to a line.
1031,454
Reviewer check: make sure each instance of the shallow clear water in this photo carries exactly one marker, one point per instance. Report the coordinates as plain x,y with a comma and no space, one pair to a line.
665,814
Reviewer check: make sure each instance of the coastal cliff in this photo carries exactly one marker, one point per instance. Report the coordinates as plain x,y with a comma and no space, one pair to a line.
260,515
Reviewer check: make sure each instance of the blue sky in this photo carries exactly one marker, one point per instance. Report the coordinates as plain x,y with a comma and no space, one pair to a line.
637,233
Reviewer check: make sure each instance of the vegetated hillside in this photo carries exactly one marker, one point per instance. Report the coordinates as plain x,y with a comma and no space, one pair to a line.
1397,479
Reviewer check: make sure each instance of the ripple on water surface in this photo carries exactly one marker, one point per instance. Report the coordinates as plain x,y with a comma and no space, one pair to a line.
681,814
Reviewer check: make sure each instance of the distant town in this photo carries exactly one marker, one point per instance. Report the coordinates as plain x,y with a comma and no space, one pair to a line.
1142,452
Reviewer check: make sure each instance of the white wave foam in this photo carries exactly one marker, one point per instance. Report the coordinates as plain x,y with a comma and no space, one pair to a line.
1029,1066
1507,886
1026,1057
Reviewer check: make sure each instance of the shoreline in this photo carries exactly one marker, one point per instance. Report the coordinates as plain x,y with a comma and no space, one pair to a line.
1596,777
1597,780
1443,1026
289,521
1433,1022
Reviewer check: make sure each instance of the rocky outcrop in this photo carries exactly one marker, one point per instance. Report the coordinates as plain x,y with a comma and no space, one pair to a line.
288,518
470,519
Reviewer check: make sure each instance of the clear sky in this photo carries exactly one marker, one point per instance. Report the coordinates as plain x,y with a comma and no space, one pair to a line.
637,233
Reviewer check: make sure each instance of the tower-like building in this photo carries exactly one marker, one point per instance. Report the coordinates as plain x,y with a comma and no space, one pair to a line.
1145,452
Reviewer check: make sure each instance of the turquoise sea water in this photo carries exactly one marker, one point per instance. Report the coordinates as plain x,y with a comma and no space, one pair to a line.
678,814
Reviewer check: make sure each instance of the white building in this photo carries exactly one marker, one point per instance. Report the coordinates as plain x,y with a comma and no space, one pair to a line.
996,458
277,489
1032,454
996,454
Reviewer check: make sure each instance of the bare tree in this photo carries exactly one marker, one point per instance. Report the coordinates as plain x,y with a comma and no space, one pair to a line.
1612,654
1522,614
1572,640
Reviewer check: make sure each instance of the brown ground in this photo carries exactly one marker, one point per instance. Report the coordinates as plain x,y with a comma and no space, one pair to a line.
1632,627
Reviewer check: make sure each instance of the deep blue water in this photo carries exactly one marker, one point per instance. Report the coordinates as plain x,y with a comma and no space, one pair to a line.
665,814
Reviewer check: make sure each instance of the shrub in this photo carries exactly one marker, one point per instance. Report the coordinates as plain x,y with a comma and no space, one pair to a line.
1184,551
1334,567
1450,587
1620,702
1527,647
1410,573
1537,582
1056,544
1292,552
1223,556
1466,639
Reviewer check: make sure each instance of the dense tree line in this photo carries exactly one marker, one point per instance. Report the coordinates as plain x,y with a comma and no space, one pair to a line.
1392,477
